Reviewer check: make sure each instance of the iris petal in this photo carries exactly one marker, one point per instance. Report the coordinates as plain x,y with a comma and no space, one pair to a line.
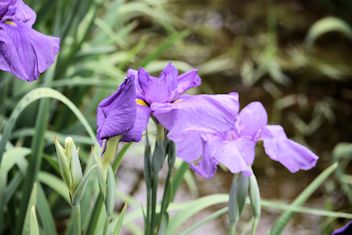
251,119
345,230
202,113
187,81
142,118
25,52
158,89
289,153
116,114
23,13
236,155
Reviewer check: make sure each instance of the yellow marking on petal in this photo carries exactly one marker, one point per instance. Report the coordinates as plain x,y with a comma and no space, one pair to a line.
176,101
141,102
10,23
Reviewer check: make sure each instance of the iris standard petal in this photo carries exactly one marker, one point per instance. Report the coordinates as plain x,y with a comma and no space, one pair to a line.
289,153
116,114
142,118
251,119
4,8
158,89
23,13
25,52
139,91
202,113
186,81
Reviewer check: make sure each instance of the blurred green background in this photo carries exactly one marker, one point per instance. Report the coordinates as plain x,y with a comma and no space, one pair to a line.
292,55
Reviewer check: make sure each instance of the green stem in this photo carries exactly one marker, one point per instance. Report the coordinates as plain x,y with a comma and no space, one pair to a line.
255,225
167,196
232,229
106,226
110,151
153,204
147,219
76,215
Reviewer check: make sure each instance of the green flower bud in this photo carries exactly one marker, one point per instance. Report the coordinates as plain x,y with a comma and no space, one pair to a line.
64,164
76,169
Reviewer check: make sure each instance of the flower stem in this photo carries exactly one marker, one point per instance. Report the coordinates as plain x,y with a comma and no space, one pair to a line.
76,216
153,204
254,225
232,230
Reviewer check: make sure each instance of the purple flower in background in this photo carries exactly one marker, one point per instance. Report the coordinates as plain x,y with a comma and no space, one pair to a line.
116,114
345,230
209,130
24,52
165,89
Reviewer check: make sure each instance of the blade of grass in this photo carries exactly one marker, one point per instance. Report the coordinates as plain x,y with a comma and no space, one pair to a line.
302,198
32,96
44,213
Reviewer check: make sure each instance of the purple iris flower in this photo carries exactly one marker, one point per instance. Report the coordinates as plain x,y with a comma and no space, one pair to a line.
116,114
24,52
345,230
168,88
209,130
127,111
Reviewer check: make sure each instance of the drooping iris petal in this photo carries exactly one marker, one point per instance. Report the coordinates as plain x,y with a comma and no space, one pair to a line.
142,118
186,81
289,153
25,52
202,113
189,145
158,89
116,114
192,117
251,119
236,155
345,230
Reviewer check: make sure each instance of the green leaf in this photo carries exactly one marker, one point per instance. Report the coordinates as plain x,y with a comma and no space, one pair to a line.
167,43
77,196
122,153
44,213
27,228
34,222
280,224
118,226
15,156
191,209
205,220
178,178
159,156
111,191
32,96
254,196
237,197
325,25
56,184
